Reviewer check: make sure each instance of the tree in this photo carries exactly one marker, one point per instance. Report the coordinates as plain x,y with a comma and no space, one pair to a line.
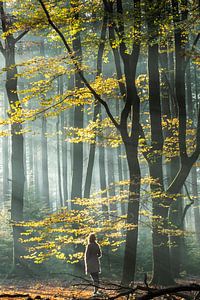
18,178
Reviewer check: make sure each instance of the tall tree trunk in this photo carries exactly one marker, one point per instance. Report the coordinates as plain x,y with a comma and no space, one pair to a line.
45,171
59,147
195,193
130,254
130,139
191,109
64,162
17,158
58,162
36,170
17,141
111,180
175,218
132,107
103,187
175,212
44,148
5,162
96,111
77,164
161,256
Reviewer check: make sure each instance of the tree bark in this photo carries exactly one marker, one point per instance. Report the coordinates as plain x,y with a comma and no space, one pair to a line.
17,157
161,256
77,165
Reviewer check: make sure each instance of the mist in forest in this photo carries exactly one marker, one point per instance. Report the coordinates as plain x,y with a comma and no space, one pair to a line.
102,139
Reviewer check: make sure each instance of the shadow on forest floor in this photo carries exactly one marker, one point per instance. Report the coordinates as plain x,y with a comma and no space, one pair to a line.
39,289
54,289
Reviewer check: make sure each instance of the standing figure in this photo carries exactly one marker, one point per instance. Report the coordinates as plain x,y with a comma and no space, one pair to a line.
92,263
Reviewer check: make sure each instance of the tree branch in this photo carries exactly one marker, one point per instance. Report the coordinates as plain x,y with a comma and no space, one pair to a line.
8,296
154,292
3,17
74,60
20,36
169,291
187,206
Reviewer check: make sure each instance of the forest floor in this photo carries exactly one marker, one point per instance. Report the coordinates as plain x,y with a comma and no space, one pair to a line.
55,289
46,290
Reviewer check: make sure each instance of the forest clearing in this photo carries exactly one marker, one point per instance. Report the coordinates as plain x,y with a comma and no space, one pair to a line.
99,149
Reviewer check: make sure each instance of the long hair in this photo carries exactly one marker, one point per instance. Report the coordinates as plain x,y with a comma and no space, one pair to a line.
92,238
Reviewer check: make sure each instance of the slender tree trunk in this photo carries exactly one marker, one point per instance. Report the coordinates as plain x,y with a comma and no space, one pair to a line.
44,154
111,179
36,170
103,187
196,209
175,218
175,212
58,162
5,158
96,111
191,109
132,215
64,162
45,172
91,158
77,165
131,110
17,163
17,148
161,255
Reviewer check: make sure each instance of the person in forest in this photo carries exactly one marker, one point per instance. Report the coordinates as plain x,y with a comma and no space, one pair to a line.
92,261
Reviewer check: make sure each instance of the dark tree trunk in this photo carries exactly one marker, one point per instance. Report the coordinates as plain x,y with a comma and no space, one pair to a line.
77,164
175,212
175,218
102,167
91,158
130,253
111,180
17,158
130,139
59,128
64,162
161,256
103,187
